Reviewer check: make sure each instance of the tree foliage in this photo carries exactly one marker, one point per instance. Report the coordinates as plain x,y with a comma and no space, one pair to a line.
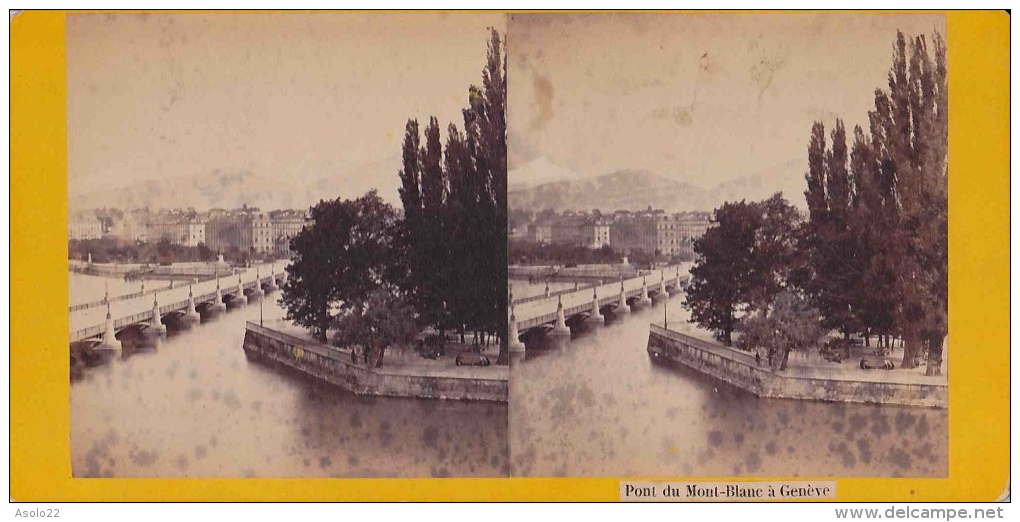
742,262
792,324
339,261
873,255
386,319
530,252
115,250
878,228
455,219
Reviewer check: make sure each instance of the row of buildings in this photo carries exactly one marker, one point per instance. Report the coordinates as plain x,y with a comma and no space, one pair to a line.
652,231
220,230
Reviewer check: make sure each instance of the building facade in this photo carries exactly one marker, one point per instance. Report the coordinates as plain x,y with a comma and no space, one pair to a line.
195,234
263,240
667,234
595,233
566,231
630,233
171,232
691,226
541,232
84,227
188,233
229,234
283,230
130,230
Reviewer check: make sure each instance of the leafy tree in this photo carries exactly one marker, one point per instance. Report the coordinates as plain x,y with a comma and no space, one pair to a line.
385,320
791,325
837,254
741,262
722,268
775,253
204,253
455,219
530,252
485,127
879,236
873,298
345,255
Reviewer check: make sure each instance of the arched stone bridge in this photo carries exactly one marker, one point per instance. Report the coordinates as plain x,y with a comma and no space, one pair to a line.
149,313
550,314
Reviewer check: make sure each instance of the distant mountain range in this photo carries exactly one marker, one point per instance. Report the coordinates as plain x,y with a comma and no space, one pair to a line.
529,190
538,172
223,189
639,189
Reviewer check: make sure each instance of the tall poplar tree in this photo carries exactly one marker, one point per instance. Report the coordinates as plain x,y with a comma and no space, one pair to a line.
455,211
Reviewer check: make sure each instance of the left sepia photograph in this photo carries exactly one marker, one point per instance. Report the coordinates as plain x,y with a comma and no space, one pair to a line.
287,245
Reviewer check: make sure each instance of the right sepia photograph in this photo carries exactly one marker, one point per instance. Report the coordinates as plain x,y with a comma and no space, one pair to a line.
728,244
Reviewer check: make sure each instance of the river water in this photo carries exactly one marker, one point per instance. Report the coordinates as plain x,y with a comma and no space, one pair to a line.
596,405
192,405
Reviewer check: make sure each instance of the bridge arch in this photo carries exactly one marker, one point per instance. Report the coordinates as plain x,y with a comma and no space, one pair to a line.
576,320
204,306
609,307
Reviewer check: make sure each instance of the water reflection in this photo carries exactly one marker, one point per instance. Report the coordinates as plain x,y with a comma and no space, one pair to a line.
597,405
191,405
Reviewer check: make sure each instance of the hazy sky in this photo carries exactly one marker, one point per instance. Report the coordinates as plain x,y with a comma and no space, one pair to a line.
285,96
701,97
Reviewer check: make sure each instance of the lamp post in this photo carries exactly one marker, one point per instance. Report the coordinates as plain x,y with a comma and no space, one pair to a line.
665,318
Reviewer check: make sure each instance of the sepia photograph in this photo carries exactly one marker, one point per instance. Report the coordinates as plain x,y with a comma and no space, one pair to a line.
287,244
613,256
728,249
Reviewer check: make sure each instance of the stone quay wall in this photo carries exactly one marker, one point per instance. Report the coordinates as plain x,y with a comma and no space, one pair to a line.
741,370
333,365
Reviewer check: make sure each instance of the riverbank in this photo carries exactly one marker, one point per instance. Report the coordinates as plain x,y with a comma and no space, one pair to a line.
836,384
400,376
577,273
139,272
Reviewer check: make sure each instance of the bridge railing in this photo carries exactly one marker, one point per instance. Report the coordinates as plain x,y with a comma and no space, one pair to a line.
125,297
135,295
132,319
91,331
146,314
543,317
557,293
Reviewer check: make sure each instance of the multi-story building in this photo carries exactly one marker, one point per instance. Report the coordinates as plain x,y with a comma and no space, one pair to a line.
595,232
229,234
541,232
667,234
195,234
84,226
283,230
691,226
632,232
172,232
567,230
187,233
130,230
676,234
262,239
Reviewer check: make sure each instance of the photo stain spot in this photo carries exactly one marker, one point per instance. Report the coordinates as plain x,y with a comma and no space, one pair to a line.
715,438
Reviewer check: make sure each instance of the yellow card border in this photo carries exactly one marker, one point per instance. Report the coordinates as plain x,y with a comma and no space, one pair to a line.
40,465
